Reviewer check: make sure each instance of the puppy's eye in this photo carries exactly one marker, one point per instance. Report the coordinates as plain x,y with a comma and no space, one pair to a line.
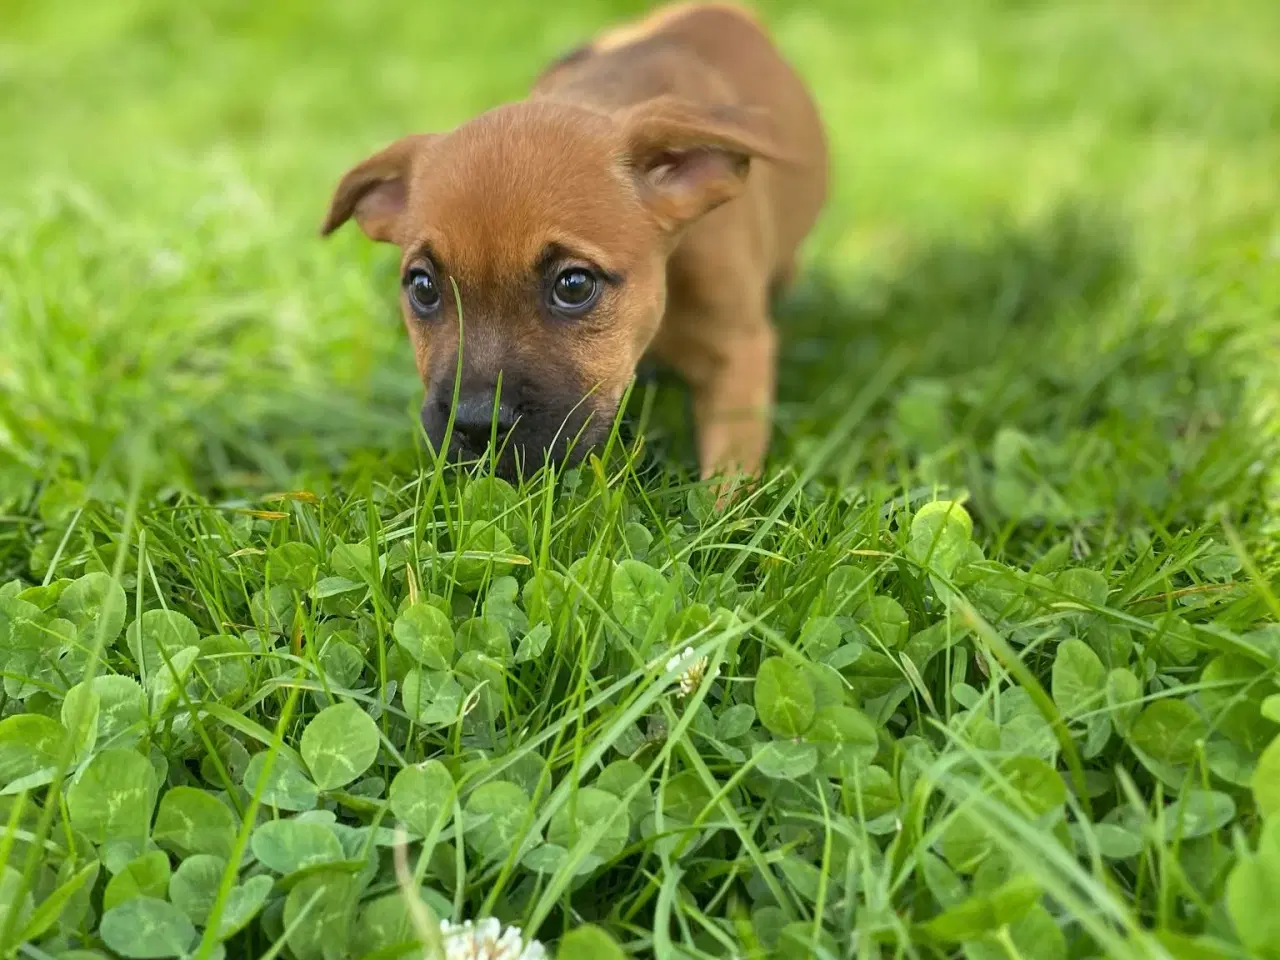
424,294
574,290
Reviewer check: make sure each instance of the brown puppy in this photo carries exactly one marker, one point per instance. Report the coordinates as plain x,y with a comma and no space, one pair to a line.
649,196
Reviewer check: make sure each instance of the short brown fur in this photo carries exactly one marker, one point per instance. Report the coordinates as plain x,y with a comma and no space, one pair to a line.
680,162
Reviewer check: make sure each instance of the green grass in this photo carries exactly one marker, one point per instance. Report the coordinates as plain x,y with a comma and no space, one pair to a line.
1046,288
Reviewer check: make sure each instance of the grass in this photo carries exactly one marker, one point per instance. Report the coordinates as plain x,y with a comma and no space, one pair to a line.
247,627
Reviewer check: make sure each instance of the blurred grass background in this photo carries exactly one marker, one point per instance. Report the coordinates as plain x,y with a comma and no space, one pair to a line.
1032,201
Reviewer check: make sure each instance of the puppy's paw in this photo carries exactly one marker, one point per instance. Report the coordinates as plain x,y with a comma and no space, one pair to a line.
731,488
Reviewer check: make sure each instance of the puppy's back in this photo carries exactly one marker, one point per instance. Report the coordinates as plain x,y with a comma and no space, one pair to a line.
713,53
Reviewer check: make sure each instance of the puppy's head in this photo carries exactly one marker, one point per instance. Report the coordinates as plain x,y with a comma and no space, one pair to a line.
533,249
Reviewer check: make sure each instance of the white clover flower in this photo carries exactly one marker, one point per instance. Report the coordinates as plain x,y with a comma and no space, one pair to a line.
487,939
693,670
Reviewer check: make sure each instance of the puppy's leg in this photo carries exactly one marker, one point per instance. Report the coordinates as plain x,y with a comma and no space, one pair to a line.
726,350
782,281
733,407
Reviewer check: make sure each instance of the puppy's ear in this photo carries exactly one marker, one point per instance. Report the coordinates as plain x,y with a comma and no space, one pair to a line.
374,191
689,159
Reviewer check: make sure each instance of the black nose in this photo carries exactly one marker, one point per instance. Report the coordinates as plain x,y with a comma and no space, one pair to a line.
475,421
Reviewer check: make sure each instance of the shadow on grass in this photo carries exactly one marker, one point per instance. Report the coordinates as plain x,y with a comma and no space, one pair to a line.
955,304
1044,375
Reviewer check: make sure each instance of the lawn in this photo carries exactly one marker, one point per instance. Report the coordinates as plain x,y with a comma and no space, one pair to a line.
988,666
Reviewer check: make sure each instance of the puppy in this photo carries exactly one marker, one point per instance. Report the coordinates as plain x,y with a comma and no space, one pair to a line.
649,196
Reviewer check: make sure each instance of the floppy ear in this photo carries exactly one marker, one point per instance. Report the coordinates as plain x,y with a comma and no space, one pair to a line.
374,191
689,159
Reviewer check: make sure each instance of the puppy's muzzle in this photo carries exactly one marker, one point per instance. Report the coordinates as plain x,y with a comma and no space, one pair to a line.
476,421
520,433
